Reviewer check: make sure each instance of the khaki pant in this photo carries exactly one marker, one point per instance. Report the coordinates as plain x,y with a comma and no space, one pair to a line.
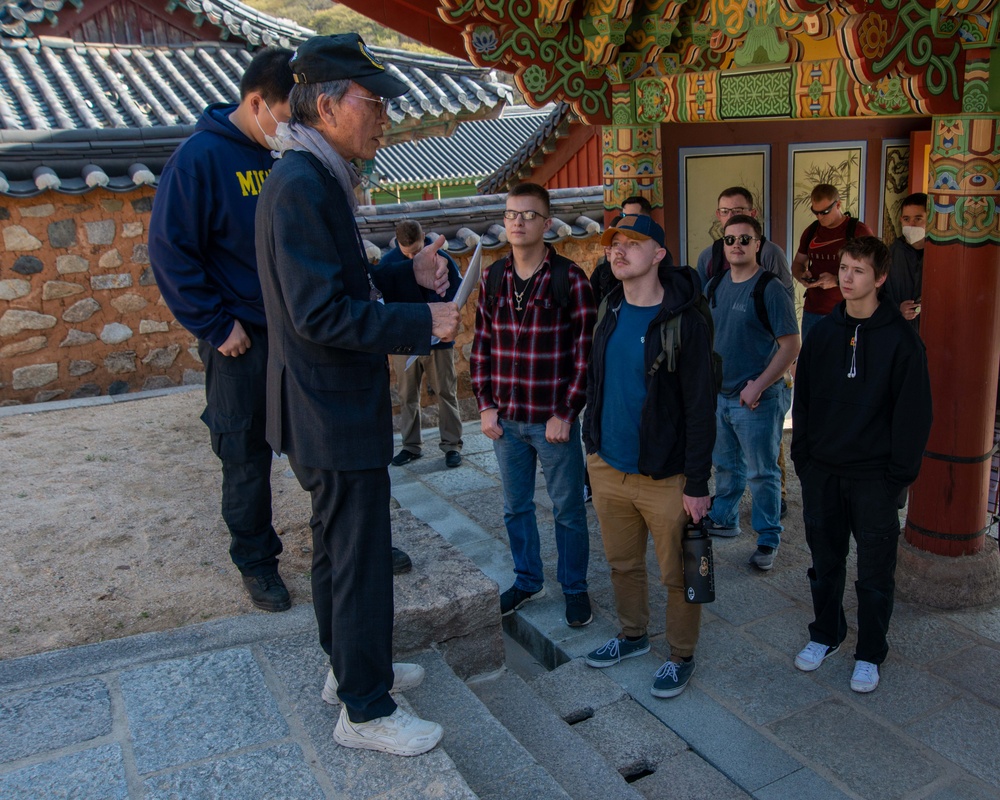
440,369
627,507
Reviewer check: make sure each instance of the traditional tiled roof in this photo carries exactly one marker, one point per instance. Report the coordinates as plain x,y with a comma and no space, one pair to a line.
66,105
472,152
576,213
518,166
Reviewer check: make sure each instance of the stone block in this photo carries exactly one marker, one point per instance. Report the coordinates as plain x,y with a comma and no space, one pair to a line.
29,345
81,367
129,303
81,310
193,377
99,282
157,382
4,213
193,352
118,387
16,320
147,278
131,229
115,333
162,357
71,263
77,337
62,233
630,738
112,259
687,776
43,210
576,692
47,395
16,238
140,254
143,205
121,362
27,265
86,390
13,288
102,232
53,717
53,290
33,376
97,772
153,326
198,707
112,206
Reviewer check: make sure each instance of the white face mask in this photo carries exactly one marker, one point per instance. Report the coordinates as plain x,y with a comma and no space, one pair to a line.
274,142
913,234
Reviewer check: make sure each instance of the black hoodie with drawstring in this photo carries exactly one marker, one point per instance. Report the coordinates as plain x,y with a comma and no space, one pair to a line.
862,398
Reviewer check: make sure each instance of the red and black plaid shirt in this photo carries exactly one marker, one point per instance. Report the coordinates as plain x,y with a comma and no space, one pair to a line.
535,369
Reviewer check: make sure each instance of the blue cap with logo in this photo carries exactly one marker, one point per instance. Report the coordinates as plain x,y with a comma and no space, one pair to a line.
635,227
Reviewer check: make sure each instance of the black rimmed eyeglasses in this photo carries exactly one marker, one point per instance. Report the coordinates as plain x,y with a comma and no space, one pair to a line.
527,216
744,239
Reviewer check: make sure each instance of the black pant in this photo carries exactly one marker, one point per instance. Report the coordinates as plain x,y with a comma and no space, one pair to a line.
833,508
352,582
235,414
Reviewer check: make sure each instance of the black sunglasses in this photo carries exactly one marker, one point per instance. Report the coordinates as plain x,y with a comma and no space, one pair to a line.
744,239
825,211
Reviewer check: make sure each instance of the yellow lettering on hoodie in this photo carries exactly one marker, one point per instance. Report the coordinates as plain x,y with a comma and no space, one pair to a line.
251,181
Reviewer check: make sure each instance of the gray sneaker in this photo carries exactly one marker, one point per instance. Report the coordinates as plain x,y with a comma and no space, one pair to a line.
672,678
614,650
763,557
724,531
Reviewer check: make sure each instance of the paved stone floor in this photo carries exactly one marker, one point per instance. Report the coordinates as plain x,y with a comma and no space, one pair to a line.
229,708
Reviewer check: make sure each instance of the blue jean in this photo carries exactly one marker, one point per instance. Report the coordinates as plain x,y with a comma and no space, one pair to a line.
808,320
746,450
517,451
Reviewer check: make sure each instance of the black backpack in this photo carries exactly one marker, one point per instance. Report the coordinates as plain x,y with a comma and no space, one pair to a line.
759,306
670,340
558,280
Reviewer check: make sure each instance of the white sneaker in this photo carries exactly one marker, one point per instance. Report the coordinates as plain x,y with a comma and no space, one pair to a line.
812,655
400,734
404,678
865,677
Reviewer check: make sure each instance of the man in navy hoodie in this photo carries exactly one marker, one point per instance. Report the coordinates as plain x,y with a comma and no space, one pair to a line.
201,245
861,419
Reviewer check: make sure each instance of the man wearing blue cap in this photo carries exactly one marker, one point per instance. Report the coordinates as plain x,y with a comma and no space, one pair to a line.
330,325
649,429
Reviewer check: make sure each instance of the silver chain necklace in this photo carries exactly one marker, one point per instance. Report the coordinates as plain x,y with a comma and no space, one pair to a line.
519,295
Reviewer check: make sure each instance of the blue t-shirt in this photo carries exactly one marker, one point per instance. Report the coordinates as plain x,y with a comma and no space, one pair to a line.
744,344
625,387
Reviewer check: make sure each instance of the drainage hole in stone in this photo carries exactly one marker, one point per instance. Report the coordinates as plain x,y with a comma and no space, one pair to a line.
633,774
579,716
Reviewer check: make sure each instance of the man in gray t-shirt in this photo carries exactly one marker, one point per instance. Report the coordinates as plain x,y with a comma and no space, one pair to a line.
752,402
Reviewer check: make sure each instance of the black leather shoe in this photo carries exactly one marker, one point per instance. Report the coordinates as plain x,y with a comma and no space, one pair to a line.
400,561
404,457
453,459
267,592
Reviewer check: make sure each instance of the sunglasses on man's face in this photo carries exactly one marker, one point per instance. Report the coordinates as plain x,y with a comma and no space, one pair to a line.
744,239
825,211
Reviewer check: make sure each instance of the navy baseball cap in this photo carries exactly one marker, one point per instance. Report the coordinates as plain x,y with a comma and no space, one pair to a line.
343,57
635,227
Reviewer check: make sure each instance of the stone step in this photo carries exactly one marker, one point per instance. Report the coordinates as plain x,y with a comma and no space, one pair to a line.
569,757
490,759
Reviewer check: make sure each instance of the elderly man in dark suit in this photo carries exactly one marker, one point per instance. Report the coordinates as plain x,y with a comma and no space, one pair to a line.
330,327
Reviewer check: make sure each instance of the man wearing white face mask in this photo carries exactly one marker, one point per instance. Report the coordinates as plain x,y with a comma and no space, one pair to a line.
905,283
201,246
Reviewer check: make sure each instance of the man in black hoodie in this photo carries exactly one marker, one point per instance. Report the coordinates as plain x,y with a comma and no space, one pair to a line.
649,431
861,419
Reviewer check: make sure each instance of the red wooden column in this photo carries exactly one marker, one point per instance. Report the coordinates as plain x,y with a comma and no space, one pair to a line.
947,560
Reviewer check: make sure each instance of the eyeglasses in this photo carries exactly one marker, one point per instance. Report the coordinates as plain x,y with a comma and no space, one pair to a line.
725,212
527,216
631,246
825,211
744,239
382,101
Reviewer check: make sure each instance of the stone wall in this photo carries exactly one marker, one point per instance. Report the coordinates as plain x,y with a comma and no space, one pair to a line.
80,314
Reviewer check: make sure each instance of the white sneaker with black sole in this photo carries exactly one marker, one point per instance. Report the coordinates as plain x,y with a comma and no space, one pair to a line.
400,734
405,677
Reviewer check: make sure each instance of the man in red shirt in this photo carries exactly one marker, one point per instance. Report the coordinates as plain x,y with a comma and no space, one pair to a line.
817,264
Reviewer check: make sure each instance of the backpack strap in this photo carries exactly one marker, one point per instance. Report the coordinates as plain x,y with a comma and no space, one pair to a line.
713,285
559,279
760,306
718,259
670,343
602,309
852,226
494,279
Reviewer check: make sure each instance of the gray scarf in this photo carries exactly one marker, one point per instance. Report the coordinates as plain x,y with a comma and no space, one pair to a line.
301,137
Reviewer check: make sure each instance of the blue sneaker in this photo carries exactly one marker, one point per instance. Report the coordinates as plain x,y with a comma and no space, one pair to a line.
671,678
614,650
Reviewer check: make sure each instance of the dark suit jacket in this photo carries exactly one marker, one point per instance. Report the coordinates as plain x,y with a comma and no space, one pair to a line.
328,402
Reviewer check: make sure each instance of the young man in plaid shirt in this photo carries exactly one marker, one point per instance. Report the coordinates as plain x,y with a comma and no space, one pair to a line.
529,371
